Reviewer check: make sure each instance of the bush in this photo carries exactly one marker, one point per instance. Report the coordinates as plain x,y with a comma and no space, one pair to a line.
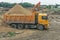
11,34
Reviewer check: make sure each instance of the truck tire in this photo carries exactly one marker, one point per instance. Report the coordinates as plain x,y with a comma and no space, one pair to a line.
20,26
40,27
13,25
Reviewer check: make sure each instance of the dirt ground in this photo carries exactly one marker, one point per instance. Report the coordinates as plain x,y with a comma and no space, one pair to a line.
53,33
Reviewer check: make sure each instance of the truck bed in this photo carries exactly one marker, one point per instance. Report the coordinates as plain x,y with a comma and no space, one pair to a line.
19,18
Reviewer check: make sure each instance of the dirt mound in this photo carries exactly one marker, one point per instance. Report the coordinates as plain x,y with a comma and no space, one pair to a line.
18,9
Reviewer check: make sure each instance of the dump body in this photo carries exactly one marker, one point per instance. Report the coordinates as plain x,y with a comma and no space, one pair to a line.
19,18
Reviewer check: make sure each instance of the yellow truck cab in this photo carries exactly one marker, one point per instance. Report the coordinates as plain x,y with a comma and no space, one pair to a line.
43,20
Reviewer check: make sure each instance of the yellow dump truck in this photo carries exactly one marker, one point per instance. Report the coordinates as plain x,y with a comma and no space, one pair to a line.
19,18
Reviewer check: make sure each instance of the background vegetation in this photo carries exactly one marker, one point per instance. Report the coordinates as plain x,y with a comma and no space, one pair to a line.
26,5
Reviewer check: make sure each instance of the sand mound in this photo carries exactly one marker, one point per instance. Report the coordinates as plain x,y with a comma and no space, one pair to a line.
18,9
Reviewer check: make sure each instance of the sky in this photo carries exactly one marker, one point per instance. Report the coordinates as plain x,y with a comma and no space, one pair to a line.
43,2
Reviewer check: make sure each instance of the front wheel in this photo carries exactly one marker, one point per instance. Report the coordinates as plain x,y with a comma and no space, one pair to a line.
40,27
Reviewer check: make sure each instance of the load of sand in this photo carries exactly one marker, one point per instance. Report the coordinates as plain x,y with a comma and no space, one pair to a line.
18,10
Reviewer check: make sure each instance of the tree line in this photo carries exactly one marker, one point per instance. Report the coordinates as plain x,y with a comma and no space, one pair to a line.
9,5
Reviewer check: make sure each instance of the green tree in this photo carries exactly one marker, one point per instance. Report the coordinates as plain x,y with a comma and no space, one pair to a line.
56,5
5,4
26,4
49,6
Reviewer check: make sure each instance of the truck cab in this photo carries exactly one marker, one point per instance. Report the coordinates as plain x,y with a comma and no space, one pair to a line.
43,19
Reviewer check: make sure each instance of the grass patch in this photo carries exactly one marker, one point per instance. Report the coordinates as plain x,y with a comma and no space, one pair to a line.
11,34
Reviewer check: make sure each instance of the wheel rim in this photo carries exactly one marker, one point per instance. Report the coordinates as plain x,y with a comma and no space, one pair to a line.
40,27
20,26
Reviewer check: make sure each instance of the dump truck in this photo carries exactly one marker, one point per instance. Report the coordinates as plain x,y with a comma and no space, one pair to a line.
20,18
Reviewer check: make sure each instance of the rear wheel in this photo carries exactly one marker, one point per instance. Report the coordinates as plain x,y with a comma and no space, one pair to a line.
13,25
40,27
20,26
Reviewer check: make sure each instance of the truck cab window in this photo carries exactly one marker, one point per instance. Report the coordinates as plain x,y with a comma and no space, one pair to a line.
44,17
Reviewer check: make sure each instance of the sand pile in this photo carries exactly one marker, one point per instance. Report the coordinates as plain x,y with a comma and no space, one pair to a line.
18,9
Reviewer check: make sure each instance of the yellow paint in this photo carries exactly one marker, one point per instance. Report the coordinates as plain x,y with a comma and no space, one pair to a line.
42,21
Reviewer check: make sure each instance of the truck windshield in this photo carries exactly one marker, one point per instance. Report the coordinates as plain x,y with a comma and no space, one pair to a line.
44,17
